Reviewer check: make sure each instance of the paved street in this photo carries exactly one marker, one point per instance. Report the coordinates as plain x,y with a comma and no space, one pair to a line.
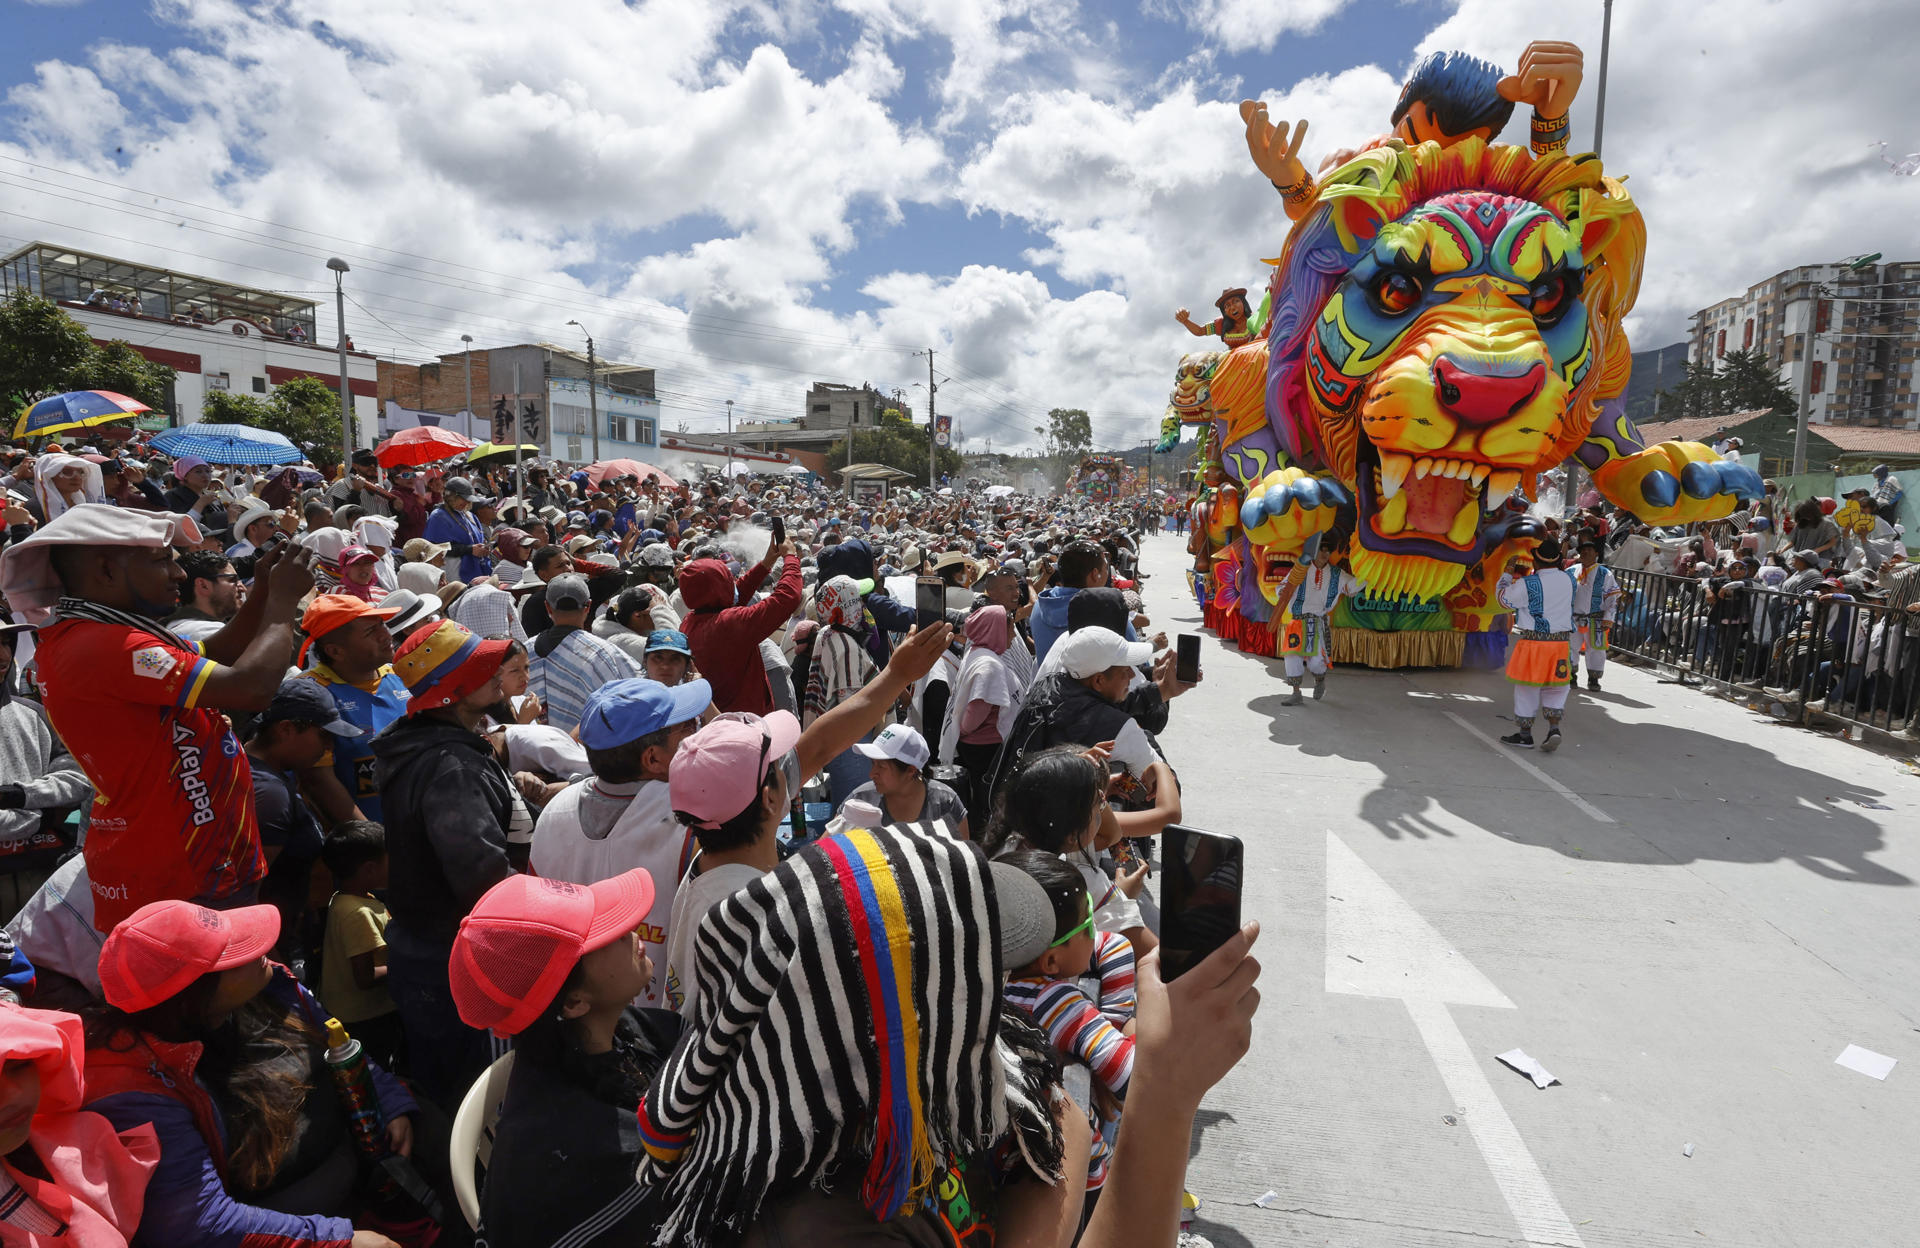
1686,915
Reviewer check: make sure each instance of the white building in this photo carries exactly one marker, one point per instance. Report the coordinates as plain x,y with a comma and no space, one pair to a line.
214,335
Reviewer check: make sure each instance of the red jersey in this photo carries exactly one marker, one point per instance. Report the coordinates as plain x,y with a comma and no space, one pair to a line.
172,810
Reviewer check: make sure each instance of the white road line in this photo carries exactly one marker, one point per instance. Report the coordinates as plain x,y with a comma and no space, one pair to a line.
1534,1207
1512,756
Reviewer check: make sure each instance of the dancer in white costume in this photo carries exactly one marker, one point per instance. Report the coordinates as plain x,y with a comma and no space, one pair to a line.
1595,599
1309,594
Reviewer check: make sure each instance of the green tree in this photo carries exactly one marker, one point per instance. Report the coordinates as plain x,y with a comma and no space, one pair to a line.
40,348
1752,383
118,367
305,410
898,443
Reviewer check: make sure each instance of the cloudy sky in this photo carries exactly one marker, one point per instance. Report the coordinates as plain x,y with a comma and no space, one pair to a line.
752,195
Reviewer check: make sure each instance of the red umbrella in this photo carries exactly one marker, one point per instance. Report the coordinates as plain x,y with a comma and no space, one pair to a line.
599,472
422,444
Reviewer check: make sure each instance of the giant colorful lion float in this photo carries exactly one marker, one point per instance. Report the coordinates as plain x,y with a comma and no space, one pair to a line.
1446,326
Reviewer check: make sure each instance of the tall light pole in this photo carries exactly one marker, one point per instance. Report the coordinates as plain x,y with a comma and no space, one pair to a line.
468,340
593,390
1600,101
933,478
340,270
729,443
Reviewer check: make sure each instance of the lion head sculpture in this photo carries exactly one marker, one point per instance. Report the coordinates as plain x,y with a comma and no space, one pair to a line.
1445,322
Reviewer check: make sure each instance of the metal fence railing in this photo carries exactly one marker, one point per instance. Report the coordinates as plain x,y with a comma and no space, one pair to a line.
1822,657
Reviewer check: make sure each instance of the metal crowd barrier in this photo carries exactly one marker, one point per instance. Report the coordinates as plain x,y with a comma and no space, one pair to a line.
1823,659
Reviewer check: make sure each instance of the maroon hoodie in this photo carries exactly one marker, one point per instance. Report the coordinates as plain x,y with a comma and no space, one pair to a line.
725,639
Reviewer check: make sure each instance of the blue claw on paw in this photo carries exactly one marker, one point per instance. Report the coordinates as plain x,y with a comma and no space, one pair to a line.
1334,494
1253,512
1705,480
1660,488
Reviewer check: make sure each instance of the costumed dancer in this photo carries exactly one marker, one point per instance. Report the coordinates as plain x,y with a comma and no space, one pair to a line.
1316,589
1594,603
1538,659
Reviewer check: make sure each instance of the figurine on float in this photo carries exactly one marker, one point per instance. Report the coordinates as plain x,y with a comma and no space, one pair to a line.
1234,326
1446,325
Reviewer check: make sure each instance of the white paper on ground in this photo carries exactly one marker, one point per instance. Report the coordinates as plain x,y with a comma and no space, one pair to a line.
1866,1061
1527,1066
1269,1201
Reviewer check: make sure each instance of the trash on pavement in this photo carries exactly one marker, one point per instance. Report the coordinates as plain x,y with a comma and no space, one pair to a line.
1270,1201
1866,1061
1530,1068
1687,1151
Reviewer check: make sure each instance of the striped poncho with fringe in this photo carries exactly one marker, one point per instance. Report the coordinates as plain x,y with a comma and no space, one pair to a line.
849,1017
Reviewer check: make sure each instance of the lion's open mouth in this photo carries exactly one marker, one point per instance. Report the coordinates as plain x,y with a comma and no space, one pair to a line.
1428,504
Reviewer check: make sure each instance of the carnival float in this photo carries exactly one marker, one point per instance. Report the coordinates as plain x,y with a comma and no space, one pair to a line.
1442,328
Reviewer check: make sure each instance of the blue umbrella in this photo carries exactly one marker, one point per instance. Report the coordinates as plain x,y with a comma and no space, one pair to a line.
228,444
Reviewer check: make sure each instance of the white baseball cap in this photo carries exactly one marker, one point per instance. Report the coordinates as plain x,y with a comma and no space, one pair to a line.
1089,651
898,743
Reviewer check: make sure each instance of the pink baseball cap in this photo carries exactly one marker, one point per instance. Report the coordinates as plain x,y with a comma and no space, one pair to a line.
519,943
718,771
154,953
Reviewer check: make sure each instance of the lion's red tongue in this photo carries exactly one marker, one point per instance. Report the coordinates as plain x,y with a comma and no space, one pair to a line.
1433,502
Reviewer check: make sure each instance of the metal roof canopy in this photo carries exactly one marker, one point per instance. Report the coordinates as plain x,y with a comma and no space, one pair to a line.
857,472
181,290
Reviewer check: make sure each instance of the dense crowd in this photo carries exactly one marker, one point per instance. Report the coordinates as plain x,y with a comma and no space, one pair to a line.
763,866
1811,601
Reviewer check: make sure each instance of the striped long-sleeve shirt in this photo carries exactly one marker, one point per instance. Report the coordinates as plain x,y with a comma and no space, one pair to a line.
565,674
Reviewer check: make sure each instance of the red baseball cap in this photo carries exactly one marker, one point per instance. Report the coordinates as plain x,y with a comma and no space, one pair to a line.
519,943
155,952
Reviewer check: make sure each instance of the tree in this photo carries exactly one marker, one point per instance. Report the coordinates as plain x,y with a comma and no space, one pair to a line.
1753,384
305,410
118,367
40,348
898,443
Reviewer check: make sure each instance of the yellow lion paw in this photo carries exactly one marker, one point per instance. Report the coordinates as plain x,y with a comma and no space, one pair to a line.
1677,483
1284,508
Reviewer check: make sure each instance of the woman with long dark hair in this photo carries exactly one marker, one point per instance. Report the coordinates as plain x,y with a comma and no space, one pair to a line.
225,1054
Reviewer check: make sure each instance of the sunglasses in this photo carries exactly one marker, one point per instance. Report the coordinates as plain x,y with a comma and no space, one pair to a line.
1076,929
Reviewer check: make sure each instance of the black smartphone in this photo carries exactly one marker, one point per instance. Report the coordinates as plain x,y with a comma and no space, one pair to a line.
779,530
1202,874
929,600
1186,659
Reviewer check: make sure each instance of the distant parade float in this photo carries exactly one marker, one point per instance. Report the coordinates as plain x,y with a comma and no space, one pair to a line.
1103,478
1443,327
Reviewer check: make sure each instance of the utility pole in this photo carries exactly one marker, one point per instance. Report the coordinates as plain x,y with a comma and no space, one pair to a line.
933,477
340,270
519,480
468,340
729,443
593,391
1600,101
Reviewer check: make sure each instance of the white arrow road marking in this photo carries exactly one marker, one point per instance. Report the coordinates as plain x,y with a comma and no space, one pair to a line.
1513,756
1401,956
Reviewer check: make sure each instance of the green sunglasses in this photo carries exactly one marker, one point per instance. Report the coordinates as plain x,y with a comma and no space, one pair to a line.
1077,928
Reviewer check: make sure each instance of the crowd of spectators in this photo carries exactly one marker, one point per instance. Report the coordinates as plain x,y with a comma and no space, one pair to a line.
791,909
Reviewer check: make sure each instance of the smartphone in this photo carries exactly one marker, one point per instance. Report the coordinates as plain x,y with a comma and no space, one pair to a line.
1186,659
929,600
1202,875
779,530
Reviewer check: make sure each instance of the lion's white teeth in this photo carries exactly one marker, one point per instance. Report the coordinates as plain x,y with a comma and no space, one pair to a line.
1501,483
1480,472
1421,467
1393,473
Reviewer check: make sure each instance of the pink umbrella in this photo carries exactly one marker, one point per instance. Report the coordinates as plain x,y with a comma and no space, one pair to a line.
597,473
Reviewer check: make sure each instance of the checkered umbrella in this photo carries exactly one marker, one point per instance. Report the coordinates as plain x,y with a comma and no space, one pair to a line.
228,444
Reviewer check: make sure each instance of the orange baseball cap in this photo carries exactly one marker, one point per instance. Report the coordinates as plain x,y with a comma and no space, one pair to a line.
330,611
154,953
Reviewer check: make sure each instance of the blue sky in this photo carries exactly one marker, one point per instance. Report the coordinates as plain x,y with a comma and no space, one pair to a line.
751,194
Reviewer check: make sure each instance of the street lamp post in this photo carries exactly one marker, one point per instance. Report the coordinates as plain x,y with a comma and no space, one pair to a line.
340,270
468,340
729,443
593,390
